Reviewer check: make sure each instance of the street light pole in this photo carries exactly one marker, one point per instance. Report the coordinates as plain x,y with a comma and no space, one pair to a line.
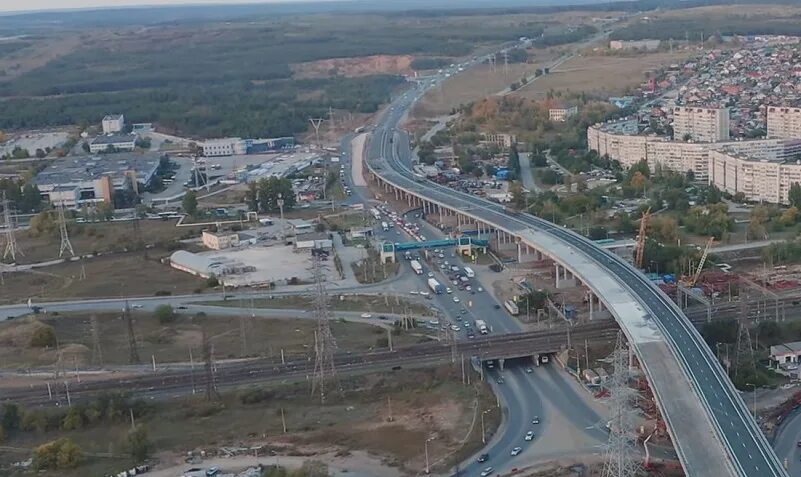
755,388
280,202
428,470
483,432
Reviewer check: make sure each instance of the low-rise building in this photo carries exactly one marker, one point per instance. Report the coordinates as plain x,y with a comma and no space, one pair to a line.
300,226
645,45
785,353
502,140
113,123
313,240
220,240
224,147
120,142
77,181
560,112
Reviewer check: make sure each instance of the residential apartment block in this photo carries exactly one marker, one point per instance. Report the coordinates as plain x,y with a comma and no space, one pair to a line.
701,124
762,169
784,122
113,124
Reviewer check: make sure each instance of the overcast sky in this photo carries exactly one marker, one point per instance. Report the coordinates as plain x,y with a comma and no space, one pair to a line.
27,5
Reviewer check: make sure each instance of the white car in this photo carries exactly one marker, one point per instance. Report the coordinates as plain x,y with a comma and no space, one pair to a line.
136,306
366,315
529,436
479,289
456,299
448,290
536,420
517,451
455,328
430,274
487,471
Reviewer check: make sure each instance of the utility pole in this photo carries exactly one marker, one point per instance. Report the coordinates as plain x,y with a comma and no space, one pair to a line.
331,123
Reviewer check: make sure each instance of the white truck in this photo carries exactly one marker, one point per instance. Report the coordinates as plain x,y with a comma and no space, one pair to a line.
469,272
418,269
435,286
481,326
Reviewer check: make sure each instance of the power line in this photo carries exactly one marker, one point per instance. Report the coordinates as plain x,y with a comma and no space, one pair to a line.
210,368
316,122
97,351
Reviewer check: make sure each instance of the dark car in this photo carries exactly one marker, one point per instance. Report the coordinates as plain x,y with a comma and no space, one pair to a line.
483,457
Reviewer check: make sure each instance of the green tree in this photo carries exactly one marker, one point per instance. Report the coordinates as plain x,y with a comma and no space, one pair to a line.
44,336
189,203
61,454
269,192
138,444
74,419
11,417
794,195
514,160
165,314
34,420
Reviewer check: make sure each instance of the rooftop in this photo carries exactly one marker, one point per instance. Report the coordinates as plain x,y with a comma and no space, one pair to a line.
72,170
114,139
112,117
312,236
785,348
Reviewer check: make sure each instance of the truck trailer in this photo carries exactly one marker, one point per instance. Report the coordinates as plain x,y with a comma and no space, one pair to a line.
435,286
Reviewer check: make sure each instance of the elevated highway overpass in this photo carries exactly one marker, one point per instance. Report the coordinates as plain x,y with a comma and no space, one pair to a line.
712,429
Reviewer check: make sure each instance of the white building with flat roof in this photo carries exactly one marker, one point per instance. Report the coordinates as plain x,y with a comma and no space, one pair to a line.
120,142
113,123
224,147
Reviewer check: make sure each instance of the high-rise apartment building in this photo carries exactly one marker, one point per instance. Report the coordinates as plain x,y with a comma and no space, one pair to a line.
700,124
784,122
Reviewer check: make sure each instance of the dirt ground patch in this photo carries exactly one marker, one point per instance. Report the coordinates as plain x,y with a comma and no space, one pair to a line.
473,84
354,67
123,274
172,342
603,75
356,420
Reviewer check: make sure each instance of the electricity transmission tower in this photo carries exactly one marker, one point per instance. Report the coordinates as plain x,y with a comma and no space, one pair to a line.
324,342
316,122
133,357
744,353
12,249
66,246
621,459
97,351
210,368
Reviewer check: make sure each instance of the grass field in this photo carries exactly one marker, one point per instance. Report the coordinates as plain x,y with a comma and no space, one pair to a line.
125,274
602,75
171,342
369,303
425,402
100,237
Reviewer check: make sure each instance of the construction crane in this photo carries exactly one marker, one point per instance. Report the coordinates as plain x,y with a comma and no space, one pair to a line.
639,257
691,281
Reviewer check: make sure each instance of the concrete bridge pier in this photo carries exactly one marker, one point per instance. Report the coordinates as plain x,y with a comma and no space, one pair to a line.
526,254
564,279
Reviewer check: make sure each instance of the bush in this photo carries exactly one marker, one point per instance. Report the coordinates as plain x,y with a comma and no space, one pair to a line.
57,455
44,336
255,396
165,314
212,281
138,444
163,293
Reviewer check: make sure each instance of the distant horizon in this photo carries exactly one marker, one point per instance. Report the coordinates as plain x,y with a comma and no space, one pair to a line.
35,6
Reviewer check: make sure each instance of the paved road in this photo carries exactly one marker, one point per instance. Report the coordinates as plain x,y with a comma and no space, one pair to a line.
786,443
526,174
743,449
